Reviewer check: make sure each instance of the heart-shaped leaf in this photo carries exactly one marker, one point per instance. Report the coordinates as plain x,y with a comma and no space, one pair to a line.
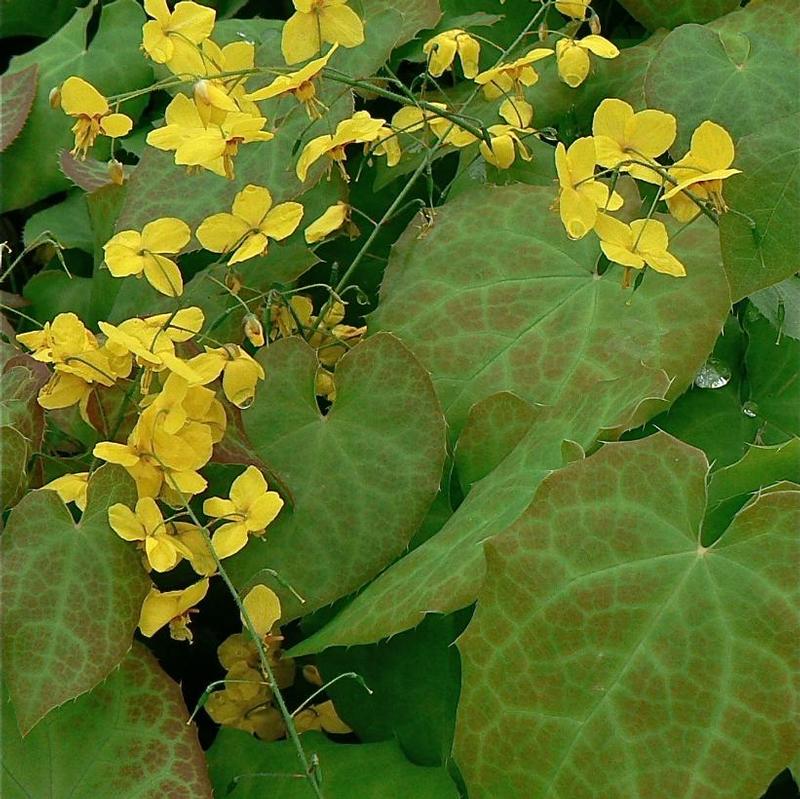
127,738
654,14
495,297
362,476
71,596
624,641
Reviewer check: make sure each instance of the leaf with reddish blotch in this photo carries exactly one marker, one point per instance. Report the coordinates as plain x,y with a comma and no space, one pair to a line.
88,174
17,91
128,737
71,596
613,655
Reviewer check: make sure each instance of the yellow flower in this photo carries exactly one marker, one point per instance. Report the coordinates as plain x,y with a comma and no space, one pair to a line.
410,119
132,253
253,715
505,144
240,372
71,488
212,147
191,536
442,48
360,128
253,330
572,57
216,97
288,318
160,461
173,608
581,195
239,650
318,21
643,242
167,35
152,339
573,8
702,171
250,508
163,550
248,229
516,112
299,85
320,717
621,135
262,606
81,100
507,78
335,217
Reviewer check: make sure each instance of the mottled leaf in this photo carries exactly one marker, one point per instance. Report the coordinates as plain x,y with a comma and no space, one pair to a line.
777,19
17,90
243,767
362,476
127,738
13,465
642,663
87,174
71,596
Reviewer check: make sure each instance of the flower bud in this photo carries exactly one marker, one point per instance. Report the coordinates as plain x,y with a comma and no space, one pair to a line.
544,32
116,172
311,674
594,23
253,330
233,281
54,98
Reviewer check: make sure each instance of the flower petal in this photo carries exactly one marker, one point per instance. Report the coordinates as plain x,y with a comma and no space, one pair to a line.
282,220
81,98
342,25
301,38
229,539
221,232
263,608
116,125
163,275
167,235
125,523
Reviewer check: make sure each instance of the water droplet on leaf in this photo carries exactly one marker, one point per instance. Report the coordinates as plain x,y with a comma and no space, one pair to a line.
750,409
714,374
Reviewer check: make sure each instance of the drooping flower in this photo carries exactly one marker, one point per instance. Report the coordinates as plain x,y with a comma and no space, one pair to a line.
334,218
146,524
442,48
252,714
288,318
581,195
572,57
516,112
621,135
318,21
211,147
172,608
168,35
299,85
510,78
263,609
359,129
505,143
93,116
253,330
643,242
249,509
702,171
320,717
253,222
411,119
239,371
576,9
71,488
130,252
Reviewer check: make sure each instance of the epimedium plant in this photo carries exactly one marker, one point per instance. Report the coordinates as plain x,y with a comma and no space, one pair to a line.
334,340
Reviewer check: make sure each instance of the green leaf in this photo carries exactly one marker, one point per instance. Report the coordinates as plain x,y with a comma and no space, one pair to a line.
71,594
17,90
695,78
13,466
771,363
655,14
113,63
445,573
776,19
127,738
644,663
495,297
781,305
17,19
413,679
67,222
760,238
52,292
730,488
361,477
494,427
242,767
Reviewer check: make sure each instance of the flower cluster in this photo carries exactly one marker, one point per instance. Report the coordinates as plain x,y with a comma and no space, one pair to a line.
629,142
